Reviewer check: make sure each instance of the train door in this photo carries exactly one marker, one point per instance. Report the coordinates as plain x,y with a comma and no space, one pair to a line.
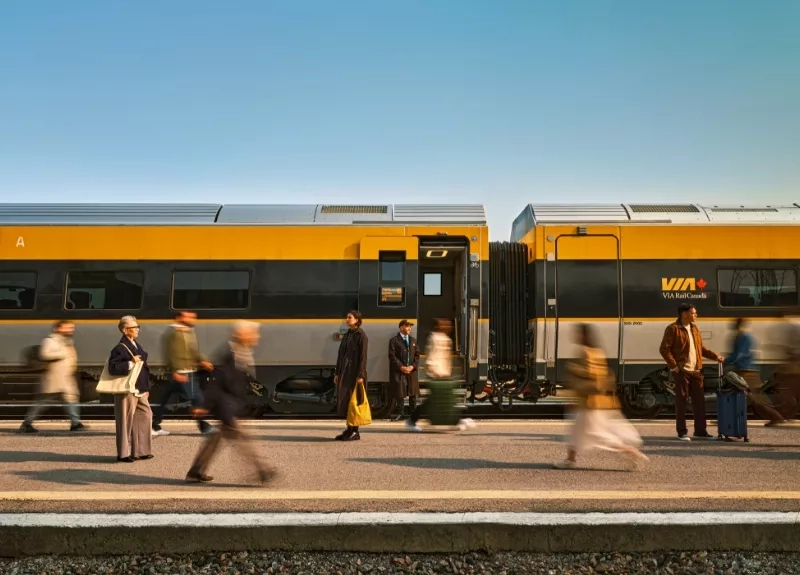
587,289
443,289
387,292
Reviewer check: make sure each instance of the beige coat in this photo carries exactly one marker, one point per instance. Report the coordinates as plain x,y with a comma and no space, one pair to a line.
59,376
438,363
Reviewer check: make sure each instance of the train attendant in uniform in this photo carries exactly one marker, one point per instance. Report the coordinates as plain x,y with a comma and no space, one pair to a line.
351,369
598,423
683,350
404,369
225,400
132,413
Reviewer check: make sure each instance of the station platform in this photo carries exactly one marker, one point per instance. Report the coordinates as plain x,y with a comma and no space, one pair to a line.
499,469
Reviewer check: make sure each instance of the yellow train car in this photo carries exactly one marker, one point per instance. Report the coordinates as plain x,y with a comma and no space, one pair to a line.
625,268
296,269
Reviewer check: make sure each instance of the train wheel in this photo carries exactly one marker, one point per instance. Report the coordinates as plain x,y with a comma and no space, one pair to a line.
633,410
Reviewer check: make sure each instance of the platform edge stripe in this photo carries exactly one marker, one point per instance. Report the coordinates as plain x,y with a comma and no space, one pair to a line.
358,494
238,520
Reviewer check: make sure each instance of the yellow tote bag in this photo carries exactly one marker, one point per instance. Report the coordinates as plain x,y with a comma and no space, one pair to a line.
359,414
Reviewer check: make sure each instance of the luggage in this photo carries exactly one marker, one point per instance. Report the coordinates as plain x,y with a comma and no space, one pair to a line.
731,412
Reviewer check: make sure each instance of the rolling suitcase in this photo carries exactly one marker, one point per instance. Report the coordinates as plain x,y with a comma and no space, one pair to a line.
731,412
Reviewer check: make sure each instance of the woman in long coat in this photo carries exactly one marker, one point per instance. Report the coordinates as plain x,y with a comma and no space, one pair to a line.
351,369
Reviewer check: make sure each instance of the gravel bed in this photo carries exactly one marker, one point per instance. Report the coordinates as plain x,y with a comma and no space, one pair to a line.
242,563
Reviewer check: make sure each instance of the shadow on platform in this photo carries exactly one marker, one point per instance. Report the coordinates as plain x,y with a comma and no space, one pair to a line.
448,463
87,477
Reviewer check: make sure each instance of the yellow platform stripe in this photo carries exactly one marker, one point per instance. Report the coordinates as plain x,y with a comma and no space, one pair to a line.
228,494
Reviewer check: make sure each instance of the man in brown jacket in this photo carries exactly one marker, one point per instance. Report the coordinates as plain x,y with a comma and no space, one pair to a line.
683,350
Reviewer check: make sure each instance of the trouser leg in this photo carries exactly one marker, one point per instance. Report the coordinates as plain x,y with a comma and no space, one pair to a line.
697,391
206,454
681,393
124,410
141,438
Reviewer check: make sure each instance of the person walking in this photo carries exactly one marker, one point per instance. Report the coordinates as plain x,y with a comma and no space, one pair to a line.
599,424
132,414
58,382
683,350
351,369
440,406
224,400
404,369
742,362
183,358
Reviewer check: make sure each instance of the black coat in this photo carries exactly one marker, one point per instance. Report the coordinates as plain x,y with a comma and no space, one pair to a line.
402,385
119,362
351,364
226,389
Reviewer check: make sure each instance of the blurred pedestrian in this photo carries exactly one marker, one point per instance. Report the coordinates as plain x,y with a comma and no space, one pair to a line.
599,424
225,401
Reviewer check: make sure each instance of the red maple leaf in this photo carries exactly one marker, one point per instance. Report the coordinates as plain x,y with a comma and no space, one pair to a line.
702,283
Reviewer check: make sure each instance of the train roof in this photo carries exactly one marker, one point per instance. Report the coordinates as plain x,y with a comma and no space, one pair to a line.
542,214
240,214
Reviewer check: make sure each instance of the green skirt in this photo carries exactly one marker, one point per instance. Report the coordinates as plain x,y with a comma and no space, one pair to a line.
441,406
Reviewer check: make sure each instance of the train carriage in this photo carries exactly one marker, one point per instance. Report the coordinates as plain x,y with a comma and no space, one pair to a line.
625,269
296,269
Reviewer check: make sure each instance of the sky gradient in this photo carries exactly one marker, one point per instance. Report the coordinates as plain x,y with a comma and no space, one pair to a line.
442,101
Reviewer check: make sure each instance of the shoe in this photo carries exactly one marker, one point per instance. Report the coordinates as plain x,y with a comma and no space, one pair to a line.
637,458
157,432
27,428
344,435
78,427
398,417
128,459
355,436
467,422
705,435
198,478
565,464
684,437
208,431
267,475
413,426
144,457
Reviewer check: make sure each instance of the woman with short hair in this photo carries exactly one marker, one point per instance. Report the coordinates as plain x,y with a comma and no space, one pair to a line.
132,413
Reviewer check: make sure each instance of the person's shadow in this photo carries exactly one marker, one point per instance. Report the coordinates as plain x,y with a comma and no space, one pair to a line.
93,477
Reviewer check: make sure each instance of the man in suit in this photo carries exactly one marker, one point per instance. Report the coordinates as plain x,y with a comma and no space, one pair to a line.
403,369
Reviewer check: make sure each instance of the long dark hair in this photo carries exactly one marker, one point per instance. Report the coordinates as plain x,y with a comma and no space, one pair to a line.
587,335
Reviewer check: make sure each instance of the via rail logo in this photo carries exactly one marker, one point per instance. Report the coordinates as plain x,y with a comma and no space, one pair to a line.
683,288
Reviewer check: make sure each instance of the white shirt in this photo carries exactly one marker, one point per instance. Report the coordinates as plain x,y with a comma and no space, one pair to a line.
691,363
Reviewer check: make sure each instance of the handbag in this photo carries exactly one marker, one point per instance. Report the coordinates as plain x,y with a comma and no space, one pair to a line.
358,411
122,384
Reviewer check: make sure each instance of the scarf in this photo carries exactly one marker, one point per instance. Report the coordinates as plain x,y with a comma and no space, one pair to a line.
243,358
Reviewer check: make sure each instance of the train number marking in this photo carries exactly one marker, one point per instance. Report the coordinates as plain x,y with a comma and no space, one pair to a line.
632,323
20,242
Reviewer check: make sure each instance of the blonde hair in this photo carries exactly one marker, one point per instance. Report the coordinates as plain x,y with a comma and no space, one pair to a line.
243,326
125,320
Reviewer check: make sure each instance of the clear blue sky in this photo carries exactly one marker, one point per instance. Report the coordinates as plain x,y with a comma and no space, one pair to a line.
498,102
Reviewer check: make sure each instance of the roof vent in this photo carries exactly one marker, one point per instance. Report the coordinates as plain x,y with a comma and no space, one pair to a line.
743,210
354,210
663,208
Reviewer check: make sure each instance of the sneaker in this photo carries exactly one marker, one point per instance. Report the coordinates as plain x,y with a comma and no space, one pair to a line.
684,437
157,432
78,427
705,435
198,478
465,424
27,428
565,464
412,426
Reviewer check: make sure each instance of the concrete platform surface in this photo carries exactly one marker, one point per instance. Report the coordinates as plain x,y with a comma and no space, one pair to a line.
501,466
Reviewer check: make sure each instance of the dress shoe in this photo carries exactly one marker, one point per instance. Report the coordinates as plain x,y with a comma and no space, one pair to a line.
128,459
144,457
198,478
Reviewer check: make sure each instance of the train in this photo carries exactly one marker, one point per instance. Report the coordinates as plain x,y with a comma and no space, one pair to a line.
298,269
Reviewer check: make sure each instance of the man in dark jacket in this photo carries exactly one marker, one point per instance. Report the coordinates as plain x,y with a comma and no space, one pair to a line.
224,400
403,369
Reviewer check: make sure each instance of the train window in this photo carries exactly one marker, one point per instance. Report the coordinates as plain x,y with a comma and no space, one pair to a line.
431,284
757,287
391,279
121,290
17,290
393,267
222,289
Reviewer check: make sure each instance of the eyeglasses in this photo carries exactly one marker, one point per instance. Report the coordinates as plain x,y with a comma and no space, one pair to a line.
132,327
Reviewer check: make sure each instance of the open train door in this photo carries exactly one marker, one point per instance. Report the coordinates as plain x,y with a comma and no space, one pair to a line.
587,290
